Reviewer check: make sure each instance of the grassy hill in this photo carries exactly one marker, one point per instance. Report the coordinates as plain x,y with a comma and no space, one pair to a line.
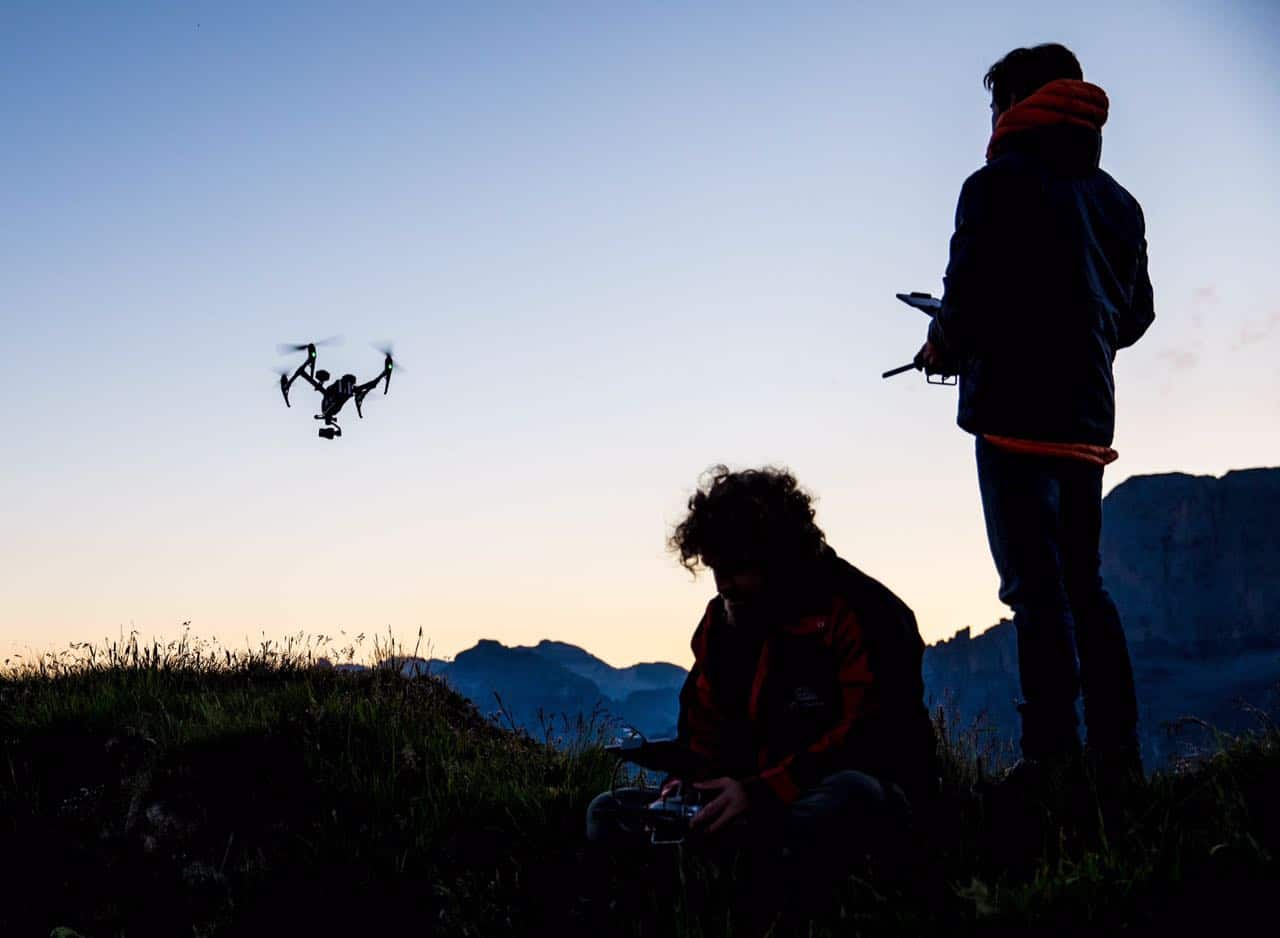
174,791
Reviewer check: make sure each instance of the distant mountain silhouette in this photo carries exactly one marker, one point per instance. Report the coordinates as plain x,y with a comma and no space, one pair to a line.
614,683
543,685
1192,561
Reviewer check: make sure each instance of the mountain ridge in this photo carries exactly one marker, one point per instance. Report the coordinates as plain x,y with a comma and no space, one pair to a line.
1193,562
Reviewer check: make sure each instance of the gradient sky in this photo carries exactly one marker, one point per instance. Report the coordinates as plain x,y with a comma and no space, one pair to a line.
615,243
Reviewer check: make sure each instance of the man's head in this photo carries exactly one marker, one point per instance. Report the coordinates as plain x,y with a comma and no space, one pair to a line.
754,529
1023,71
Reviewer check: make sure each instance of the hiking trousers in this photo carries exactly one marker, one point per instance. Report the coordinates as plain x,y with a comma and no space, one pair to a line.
1044,522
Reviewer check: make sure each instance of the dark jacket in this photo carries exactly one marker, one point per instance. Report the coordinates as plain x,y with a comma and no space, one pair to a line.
837,685
1047,279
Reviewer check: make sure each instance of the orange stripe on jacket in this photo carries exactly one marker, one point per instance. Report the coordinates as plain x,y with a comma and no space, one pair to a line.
1085,452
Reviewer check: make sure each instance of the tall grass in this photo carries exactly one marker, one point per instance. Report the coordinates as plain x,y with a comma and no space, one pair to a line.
183,788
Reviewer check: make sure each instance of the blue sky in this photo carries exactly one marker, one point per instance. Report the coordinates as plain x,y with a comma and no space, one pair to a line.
614,244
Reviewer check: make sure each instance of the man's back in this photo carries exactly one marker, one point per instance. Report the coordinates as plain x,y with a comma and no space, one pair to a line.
1048,278
901,731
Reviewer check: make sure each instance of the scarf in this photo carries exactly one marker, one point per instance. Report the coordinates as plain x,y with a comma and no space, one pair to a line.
1063,101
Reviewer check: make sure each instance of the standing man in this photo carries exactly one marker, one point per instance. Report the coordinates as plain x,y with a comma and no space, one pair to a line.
1047,279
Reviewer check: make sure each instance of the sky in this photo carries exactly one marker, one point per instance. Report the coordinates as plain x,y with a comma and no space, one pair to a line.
615,244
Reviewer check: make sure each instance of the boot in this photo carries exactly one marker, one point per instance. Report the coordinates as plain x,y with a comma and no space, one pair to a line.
1117,779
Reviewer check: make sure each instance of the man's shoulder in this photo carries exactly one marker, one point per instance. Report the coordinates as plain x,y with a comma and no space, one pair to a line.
698,643
886,624
978,180
995,186
1015,168
863,594
1011,167
1124,194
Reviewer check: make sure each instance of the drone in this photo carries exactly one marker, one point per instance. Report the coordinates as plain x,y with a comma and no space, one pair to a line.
335,395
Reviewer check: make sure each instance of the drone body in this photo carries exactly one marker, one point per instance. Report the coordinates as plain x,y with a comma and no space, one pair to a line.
333,396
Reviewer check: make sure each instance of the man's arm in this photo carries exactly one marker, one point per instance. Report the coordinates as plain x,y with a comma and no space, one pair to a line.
1141,312
697,722
799,770
958,330
698,725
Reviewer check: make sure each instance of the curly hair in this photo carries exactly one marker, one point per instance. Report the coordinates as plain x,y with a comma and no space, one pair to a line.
756,517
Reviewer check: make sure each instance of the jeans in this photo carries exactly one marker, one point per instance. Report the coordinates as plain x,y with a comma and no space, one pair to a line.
1044,521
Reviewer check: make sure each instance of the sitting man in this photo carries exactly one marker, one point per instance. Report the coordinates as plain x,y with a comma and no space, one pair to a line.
805,700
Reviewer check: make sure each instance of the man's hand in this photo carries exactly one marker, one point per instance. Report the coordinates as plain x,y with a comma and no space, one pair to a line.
730,801
670,788
933,361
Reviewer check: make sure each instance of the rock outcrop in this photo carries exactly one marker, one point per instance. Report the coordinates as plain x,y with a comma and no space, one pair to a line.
1193,562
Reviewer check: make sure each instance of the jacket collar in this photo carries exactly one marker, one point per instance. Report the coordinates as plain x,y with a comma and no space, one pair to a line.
1055,107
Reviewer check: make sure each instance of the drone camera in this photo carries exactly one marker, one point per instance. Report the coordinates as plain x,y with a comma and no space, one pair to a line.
327,433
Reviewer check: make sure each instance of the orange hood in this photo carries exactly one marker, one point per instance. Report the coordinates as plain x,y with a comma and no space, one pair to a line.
1064,101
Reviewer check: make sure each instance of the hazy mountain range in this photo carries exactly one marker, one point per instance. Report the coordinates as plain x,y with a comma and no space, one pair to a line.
555,681
1192,561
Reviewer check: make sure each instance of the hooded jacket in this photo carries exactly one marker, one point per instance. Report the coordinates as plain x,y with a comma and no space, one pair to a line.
835,685
1047,276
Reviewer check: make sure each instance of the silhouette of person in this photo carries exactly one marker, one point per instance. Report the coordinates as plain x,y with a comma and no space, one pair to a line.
805,699
1047,279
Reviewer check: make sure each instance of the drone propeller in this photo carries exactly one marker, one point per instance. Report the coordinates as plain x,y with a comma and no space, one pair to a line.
286,348
282,376
389,363
387,350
